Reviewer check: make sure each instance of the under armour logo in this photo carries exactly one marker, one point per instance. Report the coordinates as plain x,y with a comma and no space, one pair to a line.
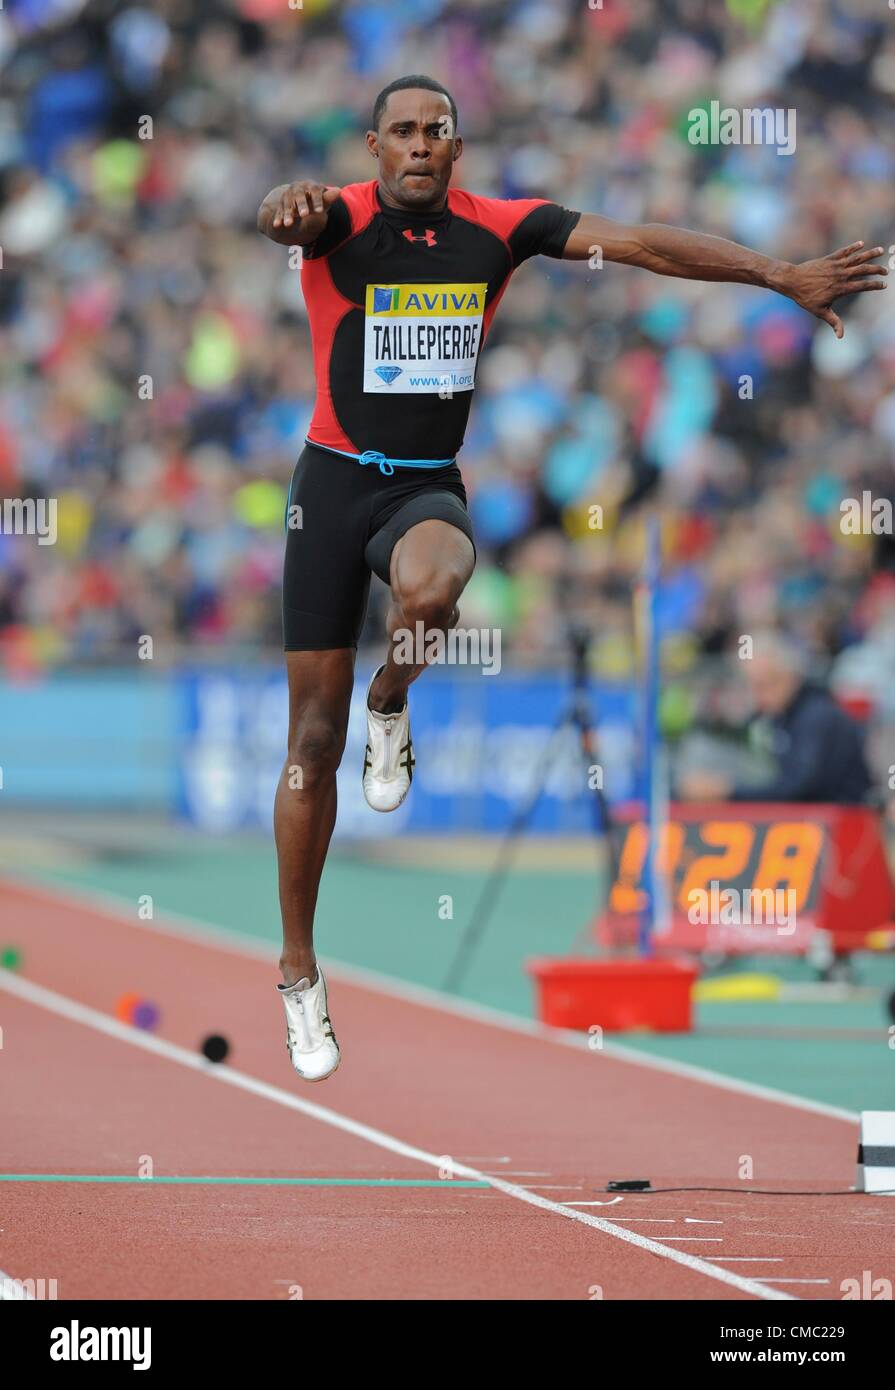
429,237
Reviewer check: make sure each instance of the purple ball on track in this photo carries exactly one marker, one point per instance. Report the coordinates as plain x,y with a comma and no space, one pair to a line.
146,1015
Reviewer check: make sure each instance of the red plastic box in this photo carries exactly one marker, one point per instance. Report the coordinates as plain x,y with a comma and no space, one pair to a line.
615,995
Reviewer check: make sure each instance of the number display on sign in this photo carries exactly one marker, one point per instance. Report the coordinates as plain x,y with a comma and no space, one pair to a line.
733,853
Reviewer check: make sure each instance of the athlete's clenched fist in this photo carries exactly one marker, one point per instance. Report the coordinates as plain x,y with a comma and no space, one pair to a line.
295,213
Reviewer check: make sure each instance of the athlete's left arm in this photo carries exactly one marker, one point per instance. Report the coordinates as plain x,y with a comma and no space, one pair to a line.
693,256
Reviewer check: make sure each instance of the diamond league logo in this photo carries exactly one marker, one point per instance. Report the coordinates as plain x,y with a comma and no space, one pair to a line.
388,374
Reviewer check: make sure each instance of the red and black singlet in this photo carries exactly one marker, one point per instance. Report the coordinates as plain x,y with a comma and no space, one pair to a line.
399,304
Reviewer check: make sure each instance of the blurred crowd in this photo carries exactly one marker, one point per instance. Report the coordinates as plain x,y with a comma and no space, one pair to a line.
155,367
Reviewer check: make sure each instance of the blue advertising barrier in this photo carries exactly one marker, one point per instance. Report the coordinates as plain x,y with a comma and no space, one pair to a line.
207,745
90,741
477,741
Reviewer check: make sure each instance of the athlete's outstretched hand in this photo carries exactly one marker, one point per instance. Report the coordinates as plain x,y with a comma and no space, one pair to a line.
850,270
295,213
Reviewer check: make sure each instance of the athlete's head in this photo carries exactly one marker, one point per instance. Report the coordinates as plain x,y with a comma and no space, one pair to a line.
414,137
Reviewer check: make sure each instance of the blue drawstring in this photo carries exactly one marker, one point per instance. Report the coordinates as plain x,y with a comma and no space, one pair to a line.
374,456
385,465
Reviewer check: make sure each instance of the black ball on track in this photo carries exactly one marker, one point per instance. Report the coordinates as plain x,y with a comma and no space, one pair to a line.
215,1048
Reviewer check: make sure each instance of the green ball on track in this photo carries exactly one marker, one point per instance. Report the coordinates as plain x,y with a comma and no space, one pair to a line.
10,958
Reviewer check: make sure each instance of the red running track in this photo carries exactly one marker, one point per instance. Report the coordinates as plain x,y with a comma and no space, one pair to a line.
544,1123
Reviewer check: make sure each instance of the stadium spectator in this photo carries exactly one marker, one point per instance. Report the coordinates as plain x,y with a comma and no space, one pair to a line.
816,746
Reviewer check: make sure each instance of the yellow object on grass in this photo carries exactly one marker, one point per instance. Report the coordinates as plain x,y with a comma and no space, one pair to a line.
734,988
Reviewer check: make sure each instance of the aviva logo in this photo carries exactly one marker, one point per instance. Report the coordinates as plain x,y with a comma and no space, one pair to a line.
384,300
426,301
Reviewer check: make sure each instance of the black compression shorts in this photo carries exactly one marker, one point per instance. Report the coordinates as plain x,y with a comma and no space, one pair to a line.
351,518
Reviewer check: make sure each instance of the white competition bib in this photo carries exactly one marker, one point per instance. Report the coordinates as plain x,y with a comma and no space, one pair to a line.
422,338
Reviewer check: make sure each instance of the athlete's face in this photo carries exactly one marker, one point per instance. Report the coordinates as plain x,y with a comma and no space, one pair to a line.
416,148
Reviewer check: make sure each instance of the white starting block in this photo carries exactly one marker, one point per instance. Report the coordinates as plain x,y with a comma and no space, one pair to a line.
876,1152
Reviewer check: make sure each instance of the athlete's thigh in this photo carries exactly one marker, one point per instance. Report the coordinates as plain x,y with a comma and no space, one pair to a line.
432,554
326,579
415,505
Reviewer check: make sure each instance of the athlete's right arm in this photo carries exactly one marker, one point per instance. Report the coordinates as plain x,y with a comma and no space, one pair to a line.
294,214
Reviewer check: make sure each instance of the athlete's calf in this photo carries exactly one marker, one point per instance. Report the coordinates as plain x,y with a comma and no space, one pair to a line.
320,685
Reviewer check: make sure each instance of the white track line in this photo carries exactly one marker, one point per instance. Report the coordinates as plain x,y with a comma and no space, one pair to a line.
62,1007
797,1281
629,1220
510,1172
191,929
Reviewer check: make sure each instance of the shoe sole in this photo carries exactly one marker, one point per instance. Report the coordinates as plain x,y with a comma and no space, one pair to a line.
312,1080
385,810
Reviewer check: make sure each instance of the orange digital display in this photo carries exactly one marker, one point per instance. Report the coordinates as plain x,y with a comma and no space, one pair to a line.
790,858
731,853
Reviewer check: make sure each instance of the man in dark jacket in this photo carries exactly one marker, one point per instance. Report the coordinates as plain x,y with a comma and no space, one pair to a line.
818,748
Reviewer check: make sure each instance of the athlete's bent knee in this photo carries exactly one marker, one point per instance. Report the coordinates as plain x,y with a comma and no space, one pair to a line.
431,603
316,746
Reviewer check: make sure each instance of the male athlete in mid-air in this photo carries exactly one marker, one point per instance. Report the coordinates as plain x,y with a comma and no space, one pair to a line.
401,277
